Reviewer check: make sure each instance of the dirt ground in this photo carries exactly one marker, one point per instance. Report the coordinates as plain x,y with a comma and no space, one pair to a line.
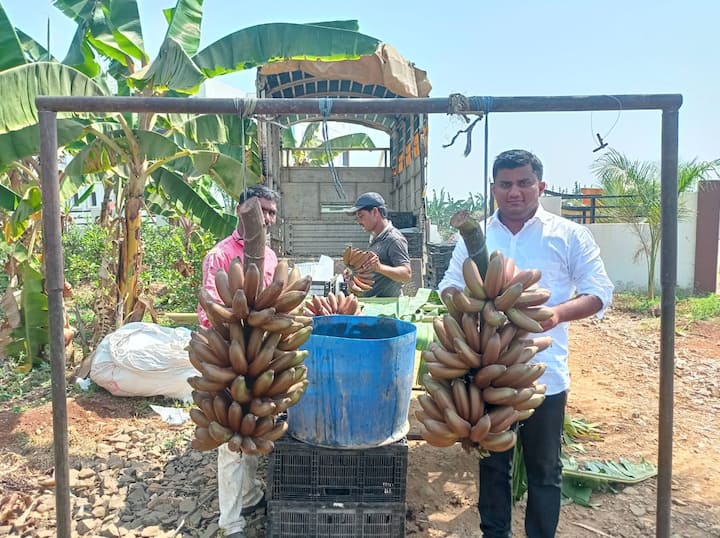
614,367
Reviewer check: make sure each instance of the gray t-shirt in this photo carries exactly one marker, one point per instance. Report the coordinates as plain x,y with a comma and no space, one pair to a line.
392,249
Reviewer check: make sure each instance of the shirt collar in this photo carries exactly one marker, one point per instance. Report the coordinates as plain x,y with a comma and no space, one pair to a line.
384,231
541,215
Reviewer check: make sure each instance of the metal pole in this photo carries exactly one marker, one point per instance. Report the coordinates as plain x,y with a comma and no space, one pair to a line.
412,105
668,277
54,282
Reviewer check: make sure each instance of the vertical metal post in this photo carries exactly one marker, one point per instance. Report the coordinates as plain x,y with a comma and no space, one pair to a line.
668,277
54,280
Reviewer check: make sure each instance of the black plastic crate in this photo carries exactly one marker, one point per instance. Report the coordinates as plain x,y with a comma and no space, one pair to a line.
300,471
414,240
290,519
402,219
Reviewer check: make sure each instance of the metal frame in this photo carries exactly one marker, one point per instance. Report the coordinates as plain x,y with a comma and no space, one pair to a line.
669,104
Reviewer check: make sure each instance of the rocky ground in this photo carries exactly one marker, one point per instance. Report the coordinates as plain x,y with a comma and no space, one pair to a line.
134,475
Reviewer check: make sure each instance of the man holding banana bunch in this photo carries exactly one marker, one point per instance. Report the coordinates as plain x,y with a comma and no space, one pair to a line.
240,493
390,261
573,271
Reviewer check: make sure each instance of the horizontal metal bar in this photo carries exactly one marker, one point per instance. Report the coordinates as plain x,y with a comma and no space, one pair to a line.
444,105
334,148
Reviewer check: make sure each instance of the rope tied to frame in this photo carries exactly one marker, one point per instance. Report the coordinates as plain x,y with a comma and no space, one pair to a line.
459,104
325,107
244,107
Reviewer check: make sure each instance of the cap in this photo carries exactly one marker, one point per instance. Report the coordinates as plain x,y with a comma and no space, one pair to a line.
367,200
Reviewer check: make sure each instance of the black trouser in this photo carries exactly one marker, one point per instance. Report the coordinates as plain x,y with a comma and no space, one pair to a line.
541,437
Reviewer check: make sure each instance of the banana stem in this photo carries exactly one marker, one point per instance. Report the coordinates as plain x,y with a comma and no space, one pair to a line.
254,234
474,238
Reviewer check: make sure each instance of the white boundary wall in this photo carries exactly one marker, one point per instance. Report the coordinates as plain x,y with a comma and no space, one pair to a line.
618,244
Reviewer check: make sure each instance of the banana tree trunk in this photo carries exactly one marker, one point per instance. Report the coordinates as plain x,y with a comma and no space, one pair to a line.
105,207
131,248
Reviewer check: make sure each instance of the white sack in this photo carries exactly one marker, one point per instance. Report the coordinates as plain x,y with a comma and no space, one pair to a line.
144,359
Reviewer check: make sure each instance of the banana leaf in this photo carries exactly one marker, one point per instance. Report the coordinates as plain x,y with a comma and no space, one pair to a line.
265,43
80,55
188,202
350,24
519,475
111,28
11,51
20,85
581,479
172,69
211,128
621,471
184,22
405,308
33,50
31,337
9,199
227,172
25,142
125,26
27,209
319,157
98,157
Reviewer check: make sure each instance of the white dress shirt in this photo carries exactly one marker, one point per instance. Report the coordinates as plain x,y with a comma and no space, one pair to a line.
569,259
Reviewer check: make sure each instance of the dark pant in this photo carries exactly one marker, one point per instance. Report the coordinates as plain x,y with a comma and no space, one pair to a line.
541,437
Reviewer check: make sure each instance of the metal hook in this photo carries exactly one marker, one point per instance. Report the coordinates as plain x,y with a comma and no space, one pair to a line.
602,143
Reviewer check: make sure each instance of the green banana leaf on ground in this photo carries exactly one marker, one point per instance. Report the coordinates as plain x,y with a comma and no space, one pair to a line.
581,479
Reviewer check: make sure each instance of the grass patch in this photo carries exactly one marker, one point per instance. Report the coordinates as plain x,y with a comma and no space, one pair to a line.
700,308
689,308
633,303
29,389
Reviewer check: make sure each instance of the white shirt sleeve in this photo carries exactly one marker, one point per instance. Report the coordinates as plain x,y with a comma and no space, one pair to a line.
453,277
587,269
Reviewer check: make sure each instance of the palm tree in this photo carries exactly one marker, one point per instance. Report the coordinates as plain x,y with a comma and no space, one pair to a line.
637,186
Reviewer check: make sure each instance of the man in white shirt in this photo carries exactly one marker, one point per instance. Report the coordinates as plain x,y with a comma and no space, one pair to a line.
573,271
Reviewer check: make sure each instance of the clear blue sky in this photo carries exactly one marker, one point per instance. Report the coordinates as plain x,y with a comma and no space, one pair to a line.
503,48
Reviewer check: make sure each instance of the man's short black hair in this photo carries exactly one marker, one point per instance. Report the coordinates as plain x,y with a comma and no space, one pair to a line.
258,191
517,158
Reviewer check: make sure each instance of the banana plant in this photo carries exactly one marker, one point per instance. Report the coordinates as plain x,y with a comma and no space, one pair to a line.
326,150
110,30
26,71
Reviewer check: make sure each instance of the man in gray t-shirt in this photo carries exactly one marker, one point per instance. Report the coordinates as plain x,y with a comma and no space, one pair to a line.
391,263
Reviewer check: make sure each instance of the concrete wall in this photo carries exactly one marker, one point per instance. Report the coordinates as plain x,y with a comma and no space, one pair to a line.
619,244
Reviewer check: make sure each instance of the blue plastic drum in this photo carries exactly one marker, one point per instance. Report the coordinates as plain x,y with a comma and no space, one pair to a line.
360,370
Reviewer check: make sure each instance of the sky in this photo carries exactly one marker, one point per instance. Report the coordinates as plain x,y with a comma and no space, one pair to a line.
503,48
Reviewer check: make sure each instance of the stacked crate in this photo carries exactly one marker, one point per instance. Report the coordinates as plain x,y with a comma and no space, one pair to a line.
439,255
316,491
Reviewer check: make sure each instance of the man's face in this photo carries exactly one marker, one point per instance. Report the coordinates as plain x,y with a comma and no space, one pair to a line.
367,218
269,210
517,192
